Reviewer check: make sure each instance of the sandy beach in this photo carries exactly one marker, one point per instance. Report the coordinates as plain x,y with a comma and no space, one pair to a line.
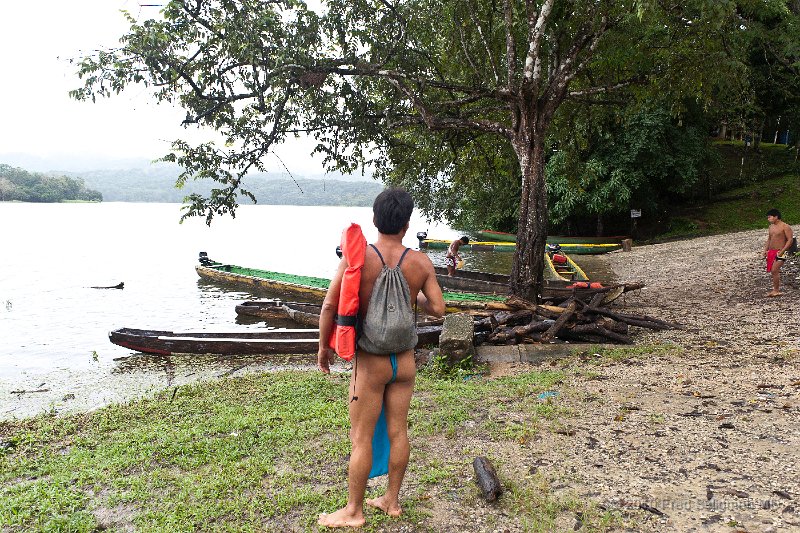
703,438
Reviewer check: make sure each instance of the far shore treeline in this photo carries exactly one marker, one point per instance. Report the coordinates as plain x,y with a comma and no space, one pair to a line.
157,184
20,185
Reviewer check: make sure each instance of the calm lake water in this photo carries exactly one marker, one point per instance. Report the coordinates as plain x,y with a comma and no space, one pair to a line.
54,326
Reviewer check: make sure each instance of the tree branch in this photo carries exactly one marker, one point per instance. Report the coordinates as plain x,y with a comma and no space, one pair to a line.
511,44
536,25
434,122
486,46
604,89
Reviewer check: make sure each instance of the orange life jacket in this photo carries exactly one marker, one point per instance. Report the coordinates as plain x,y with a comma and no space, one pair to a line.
343,336
579,285
585,285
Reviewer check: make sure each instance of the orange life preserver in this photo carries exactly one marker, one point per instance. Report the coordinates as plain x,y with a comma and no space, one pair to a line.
560,259
343,336
579,285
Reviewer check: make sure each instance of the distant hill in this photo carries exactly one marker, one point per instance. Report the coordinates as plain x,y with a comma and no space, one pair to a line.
156,183
82,165
145,181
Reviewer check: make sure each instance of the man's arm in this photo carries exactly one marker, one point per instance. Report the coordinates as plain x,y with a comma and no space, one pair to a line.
789,234
327,315
431,300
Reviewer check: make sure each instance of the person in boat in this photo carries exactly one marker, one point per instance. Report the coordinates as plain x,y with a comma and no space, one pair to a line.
453,257
779,239
377,380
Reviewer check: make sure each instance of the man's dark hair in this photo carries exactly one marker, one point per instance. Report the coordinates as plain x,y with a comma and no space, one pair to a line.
392,209
465,239
774,213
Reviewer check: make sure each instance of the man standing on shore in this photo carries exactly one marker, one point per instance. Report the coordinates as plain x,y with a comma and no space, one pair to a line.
779,240
385,376
453,257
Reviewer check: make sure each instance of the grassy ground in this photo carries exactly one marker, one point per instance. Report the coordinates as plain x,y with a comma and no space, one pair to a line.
269,452
766,180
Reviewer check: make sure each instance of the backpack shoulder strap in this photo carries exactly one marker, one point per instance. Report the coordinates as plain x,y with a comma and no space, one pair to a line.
402,257
379,254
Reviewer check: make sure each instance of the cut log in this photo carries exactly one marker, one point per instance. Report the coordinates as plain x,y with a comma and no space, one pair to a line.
487,479
596,329
597,299
514,319
560,322
538,327
643,321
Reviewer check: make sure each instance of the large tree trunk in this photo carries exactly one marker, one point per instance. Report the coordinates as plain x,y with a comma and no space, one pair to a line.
526,274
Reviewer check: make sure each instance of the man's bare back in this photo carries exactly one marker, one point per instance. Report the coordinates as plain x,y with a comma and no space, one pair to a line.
416,268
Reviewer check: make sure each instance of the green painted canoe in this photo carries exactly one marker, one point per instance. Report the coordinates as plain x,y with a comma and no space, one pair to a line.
313,289
497,246
484,246
502,236
489,235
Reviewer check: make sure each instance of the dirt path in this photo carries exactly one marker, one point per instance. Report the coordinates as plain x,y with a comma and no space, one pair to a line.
709,437
699,430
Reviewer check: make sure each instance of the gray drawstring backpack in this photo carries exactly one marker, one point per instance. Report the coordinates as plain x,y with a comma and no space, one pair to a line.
389,326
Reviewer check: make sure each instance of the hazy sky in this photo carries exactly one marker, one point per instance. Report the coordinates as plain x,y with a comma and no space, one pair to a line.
37,117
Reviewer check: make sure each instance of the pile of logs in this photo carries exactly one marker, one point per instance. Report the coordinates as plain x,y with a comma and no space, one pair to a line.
573,320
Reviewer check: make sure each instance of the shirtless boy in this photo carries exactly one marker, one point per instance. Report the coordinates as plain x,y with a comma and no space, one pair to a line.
779,240
392,211
453,256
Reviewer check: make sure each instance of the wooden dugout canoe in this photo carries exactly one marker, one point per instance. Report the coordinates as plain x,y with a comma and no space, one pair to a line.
302,313
568,272
481,282
309,288
292,341
277,341
475,246
314,289
498,246
489,235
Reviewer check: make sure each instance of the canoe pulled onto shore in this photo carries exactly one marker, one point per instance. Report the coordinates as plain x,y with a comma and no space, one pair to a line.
555,275
287,341
568,271
500,246
471,281
302,313
314,289
554,290
275,341
475,246
310,288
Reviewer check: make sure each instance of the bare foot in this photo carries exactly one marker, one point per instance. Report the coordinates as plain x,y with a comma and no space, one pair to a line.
773,294
382,503
341,518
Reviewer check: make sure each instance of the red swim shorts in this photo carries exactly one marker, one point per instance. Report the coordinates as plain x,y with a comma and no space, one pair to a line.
772,256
